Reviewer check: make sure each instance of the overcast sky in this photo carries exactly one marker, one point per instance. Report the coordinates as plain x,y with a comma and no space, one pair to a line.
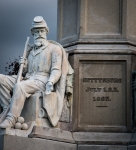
16,17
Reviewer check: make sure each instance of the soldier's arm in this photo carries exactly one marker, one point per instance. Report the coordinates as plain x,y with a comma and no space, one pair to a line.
56,65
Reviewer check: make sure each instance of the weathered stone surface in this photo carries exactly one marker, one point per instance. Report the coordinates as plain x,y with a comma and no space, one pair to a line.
105,62
103,138
96,21
8,142
32,115
67,14
101,147
102,85
133,147
131,21
52,134
35,103
92,21
103,100
103,73
18,132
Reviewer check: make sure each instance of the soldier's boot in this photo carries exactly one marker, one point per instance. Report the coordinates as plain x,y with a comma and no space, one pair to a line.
9,122
4,114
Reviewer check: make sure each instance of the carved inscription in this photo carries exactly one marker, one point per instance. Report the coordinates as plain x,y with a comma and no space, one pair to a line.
101,99
103,89
102,93
110,89
102,80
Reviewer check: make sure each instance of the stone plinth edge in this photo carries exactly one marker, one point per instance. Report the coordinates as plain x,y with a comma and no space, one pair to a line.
104,138
52,134
18,132
9,142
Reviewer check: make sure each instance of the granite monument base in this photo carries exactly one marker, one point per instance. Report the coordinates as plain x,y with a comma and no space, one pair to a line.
43,138
105,141
105,147
8,142
103,116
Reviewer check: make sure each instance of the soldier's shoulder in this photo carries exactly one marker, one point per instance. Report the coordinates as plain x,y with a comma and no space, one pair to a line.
55,46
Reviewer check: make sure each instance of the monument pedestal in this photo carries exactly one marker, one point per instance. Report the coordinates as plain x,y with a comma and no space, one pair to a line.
43,138
105,141
103,115
100,37
88,140
103,88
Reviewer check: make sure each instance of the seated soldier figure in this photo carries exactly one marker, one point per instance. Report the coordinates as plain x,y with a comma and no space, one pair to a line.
45,65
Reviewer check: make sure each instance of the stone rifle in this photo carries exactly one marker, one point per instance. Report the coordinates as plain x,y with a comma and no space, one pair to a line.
18,76
22,65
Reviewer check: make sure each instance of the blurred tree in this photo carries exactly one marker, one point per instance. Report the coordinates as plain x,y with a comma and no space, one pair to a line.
12,67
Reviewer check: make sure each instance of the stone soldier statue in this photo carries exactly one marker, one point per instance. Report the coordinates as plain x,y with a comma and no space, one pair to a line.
46,67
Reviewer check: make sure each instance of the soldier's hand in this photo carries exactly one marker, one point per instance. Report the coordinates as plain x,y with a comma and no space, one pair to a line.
49,87
22,60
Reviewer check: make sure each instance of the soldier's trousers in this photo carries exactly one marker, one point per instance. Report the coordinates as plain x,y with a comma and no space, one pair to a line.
21,91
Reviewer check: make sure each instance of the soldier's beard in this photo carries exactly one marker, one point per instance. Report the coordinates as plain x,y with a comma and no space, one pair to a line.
39,42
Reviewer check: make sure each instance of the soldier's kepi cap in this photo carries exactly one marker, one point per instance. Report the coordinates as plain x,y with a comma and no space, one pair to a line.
39,22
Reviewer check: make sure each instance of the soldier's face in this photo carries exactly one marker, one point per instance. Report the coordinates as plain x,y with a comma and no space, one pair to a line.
39,36
39,33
